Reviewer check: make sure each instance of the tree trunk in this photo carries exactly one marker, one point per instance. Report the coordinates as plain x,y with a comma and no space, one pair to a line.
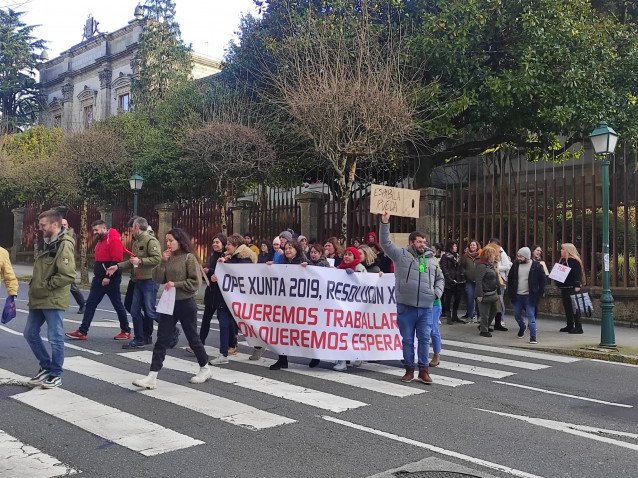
84,270
345,183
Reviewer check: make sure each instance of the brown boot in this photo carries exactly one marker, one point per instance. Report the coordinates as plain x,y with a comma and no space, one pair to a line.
424,375
409,374
436,359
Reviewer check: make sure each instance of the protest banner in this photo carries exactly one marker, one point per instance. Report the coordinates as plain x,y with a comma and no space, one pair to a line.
313,312
396,201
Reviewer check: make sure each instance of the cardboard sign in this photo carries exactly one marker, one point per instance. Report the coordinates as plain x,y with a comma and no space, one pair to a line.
559,272
397,201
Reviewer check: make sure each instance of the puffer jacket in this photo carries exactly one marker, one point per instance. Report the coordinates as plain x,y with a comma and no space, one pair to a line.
53,273
413,288
10,280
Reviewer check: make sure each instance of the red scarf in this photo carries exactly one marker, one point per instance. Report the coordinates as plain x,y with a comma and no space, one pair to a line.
352,264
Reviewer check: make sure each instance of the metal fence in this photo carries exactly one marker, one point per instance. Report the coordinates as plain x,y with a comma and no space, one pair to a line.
545,203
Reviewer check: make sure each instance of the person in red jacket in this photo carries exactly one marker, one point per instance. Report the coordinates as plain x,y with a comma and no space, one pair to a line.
108,251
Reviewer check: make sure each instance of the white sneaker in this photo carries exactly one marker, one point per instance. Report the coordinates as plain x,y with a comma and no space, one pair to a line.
356,363
204,374
257,353
340,366
149,382
220,359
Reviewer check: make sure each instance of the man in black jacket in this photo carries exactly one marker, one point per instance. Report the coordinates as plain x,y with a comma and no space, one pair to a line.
526,286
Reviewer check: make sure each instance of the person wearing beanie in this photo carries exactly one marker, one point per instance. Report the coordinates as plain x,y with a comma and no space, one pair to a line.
248,241
526,286
284,237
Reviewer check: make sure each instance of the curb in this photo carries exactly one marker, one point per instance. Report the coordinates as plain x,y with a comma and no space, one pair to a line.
594,353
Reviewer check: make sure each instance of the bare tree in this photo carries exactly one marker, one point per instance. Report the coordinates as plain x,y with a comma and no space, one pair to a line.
98,165
342,79
234,156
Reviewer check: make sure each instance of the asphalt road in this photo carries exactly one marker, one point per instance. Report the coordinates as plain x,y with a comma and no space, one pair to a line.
492,411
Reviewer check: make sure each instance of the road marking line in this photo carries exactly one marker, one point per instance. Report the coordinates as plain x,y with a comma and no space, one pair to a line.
287,391
111,325
358,381
550,392
496,360
20,459
397,372
516,352
214,406
614,363
118,426
433,448
473,369
66,344
593,433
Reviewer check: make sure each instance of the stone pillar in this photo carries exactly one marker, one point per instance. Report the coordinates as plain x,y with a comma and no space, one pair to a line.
310,204
106,75
18,228
431,212
165,211
67,112
241,216
106,214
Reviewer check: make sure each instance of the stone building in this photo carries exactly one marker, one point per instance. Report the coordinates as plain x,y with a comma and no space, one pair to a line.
92,80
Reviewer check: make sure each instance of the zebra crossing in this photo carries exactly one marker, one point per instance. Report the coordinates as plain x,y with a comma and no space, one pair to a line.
462,366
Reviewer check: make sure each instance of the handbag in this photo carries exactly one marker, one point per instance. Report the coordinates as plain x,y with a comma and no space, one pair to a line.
581,303
9,311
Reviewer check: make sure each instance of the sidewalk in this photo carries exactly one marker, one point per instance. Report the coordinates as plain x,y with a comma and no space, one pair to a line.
548,336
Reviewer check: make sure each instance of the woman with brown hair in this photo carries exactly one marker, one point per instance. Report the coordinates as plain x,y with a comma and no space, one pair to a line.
569,257
333,250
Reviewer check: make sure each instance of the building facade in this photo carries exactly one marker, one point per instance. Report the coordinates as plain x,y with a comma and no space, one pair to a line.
92,80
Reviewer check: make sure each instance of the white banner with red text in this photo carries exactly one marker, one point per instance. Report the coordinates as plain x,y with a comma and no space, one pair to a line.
313,312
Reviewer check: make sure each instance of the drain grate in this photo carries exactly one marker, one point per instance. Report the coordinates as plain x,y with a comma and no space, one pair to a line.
432,474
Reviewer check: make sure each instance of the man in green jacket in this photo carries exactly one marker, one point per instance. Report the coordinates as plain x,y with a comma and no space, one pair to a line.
147,254
49,296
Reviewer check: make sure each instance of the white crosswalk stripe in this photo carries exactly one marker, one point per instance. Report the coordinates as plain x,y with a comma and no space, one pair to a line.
276,388
508,351
496,360
130,431
397,372
25,461
358,381
208,404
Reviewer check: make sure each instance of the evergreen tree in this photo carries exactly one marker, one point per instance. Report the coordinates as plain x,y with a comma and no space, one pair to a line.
164,61
18,58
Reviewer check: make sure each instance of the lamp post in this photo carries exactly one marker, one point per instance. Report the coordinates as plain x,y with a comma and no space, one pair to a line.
604,141
136,181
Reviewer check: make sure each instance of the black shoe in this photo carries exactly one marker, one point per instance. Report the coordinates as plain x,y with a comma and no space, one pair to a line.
313,363
577,330
485,334
282,362
82,309
498,326
149,340
521,332
567,329
464,316
490,329
174,341
449,321
459,320
134,345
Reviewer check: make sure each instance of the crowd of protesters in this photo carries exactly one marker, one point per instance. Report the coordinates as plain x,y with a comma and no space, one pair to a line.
483,274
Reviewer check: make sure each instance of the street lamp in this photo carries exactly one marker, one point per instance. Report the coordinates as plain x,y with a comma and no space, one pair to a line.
604,140
136,181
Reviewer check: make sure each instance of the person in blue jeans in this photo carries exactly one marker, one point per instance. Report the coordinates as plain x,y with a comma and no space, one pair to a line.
435,335
49,297
526,286
146,255
419,282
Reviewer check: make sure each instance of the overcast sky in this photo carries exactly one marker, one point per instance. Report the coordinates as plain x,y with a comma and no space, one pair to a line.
208,24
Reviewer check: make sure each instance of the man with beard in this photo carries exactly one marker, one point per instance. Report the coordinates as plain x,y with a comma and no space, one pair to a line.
108,252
